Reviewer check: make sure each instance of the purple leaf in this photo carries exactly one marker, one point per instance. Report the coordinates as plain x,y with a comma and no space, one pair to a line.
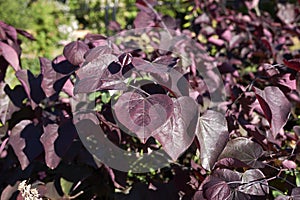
8,191
216,41
143,20
7,108
99,74
177,134
293,63
18,143
296,192
276,107
32,86
10,55
259,188
244,150
50,76
25,34
97,52
286,13
10,31
212,134
230,163
48,139
74,52
141,115
216,189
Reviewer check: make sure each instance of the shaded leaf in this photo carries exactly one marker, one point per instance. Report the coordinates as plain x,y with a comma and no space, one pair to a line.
10,55
177,134
244,150
7,108
276,107
32,86
50,76
18,143
212,134
141,115
48,140
8,191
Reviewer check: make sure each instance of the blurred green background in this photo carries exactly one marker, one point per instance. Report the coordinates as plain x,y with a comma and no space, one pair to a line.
54,23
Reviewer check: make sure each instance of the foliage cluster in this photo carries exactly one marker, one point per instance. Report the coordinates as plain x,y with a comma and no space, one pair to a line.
244,146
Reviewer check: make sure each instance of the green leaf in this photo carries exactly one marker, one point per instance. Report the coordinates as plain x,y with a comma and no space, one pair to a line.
65,186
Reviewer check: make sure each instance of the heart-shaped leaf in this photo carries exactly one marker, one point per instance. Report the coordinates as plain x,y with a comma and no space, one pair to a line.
248,186
141,115
276,107
244,150
177,134
74,52
212,133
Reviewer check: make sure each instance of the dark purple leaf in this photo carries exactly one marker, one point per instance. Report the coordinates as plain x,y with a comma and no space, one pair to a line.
8,191
96,52
10,55
293,63
177,134
296,192
230,163
114,26
253,183
25,34
168,22
90,37
50,76
212,134
97,75
244,150
141,115
48,139
74,52
216,189
161,70
32,86
10,31
7,108
276,107
18,143
143,20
